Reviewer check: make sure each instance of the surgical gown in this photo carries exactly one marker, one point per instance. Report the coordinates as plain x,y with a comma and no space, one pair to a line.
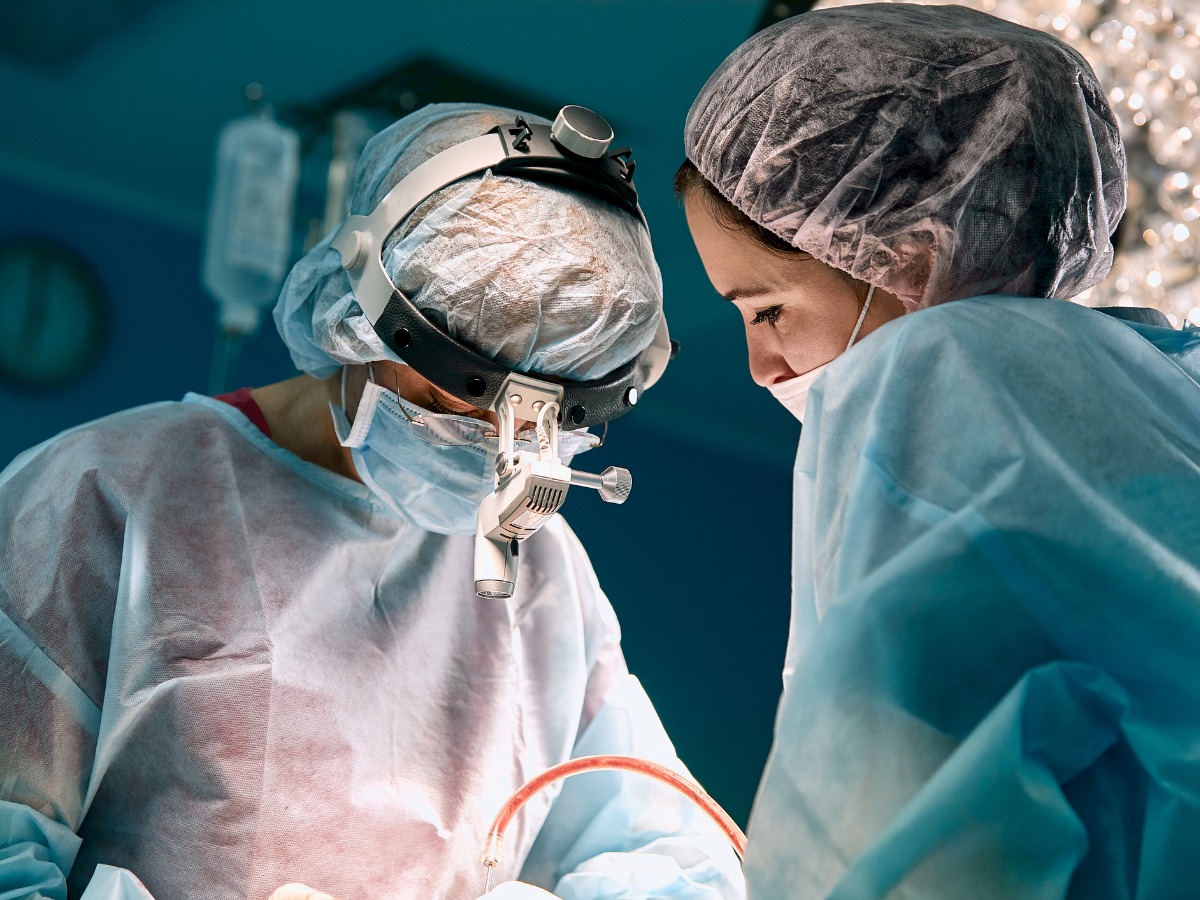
993,675
224,669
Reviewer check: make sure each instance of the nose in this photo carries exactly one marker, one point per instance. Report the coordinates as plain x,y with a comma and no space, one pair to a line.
768,365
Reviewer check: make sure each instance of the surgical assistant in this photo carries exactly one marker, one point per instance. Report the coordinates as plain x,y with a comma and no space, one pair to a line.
240,642
990,687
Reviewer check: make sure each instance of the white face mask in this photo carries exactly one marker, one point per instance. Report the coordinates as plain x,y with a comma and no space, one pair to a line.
793,393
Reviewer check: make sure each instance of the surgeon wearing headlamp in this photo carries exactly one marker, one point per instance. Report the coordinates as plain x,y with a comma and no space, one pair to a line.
241,645
990,687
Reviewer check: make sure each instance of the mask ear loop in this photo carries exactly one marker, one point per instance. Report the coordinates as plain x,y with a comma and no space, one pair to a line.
412,420
370,374
346,409
862,316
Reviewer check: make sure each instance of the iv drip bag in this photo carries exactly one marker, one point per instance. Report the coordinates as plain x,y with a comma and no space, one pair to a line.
249,237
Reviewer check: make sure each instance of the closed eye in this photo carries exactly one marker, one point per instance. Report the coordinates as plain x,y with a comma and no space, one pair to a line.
770,314
446,405
434,406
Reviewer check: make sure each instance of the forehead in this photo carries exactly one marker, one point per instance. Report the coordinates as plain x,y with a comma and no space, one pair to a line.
733,259
726,253
703,221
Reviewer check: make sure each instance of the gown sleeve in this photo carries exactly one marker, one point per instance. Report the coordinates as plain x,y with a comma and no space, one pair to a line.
60,560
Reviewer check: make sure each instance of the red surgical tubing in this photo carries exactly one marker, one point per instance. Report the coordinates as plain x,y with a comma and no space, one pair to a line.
685,786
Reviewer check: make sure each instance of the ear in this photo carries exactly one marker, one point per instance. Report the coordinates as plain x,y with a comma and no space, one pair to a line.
911,269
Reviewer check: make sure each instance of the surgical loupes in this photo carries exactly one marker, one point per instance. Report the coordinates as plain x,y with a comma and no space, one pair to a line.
530,486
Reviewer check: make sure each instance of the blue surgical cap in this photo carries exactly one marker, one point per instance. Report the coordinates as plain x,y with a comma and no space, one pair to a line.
540,278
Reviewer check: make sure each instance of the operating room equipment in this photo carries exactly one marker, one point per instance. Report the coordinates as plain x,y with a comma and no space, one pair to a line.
350,131
530,487
248,240
573,152
249,233
494,845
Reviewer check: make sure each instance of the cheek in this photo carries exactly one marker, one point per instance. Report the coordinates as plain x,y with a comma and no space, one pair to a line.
815,335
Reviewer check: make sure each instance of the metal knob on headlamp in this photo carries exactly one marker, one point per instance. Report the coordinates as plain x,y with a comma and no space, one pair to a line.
582,132
614,483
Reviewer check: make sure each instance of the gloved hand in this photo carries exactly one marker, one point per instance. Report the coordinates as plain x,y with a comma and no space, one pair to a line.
298,892
518,890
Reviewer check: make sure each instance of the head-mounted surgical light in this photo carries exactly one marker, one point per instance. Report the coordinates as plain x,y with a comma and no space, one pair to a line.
574,152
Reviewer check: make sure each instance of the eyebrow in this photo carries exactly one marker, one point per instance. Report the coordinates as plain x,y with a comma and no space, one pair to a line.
746,294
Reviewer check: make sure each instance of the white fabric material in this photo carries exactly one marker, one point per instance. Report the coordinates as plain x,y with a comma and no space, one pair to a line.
291,685
298,892
110,883
539,278
793,393
516,890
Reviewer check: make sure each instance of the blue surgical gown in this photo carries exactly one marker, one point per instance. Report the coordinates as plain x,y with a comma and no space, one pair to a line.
223,669
992,685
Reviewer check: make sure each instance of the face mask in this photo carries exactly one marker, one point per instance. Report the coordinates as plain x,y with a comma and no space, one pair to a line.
793,393
431,470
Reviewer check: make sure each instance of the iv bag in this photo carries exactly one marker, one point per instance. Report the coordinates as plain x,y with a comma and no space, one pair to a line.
249,238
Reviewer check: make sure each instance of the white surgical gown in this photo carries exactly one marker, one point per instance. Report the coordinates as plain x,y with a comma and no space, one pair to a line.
223,669
993,675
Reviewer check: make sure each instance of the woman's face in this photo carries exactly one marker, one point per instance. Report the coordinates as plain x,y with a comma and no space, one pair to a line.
798,312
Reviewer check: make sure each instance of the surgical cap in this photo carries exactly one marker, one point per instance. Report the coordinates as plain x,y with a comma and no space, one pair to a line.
542,279
937,152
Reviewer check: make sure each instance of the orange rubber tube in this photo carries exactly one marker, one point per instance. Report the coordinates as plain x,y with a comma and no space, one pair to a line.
495,839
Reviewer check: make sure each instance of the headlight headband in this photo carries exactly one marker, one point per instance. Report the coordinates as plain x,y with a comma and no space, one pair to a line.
573,153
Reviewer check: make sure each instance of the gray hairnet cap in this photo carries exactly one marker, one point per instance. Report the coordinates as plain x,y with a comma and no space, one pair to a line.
537,277
934,151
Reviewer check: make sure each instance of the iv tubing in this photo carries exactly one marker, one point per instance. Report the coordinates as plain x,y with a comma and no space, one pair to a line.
687,787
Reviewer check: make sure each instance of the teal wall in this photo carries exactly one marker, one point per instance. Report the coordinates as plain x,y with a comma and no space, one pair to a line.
162,324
